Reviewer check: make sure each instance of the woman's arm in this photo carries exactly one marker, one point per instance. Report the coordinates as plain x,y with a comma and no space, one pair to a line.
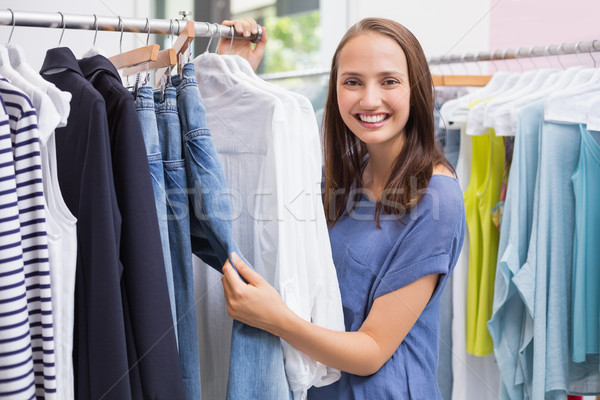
361,353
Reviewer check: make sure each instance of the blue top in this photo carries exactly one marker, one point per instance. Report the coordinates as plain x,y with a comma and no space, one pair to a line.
371,262
507,325
585,324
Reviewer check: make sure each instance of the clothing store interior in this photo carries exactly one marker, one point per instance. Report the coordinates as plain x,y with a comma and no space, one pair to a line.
149,145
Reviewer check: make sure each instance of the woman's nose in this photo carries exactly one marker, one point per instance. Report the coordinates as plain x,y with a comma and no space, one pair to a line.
371,97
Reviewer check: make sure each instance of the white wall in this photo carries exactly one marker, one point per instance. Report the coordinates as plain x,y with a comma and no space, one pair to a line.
35,41
442,27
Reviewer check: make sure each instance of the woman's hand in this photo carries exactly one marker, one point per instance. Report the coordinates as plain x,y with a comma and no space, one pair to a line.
254,303
242,47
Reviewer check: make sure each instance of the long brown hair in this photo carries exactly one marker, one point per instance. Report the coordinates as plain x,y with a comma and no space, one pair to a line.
344,153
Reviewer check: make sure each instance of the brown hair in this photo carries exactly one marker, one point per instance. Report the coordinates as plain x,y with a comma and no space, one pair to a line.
344,153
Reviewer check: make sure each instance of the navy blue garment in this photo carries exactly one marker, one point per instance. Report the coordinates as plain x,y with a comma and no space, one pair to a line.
152,345
86,183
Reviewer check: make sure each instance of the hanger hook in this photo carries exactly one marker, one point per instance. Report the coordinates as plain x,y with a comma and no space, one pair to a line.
64,25
171,31
477,64
147,31
546,53
210,30
13,20
121,38
494,58
518,59
232,36
504,58
462,61
95,30
218,29
590,52
530,54
577,51
560,49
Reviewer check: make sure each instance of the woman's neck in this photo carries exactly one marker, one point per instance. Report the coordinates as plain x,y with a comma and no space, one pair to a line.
377,171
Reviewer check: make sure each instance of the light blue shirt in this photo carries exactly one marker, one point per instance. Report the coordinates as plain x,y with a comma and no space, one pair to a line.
586,258
506,323
553,374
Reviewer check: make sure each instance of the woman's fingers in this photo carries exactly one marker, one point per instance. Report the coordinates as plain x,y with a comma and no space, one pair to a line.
250,275
243,26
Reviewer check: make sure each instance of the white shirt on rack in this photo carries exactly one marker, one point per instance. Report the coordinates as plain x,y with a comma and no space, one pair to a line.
311,289
270,154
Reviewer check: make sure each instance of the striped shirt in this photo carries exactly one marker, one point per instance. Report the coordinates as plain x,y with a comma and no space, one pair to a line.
16,362
24,137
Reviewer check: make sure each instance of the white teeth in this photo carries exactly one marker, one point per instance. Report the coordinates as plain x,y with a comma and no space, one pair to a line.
371,118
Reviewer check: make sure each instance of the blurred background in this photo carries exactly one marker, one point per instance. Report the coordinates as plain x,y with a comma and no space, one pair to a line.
303,34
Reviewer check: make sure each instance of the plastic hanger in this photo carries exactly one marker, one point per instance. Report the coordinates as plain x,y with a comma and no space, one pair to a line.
530,83
570,77
137,56
500,81
461,80
570,104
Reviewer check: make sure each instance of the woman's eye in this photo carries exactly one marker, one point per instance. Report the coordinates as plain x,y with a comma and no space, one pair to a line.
351,82
390,82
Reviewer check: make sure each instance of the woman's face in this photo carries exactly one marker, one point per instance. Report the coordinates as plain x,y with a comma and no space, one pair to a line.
373,90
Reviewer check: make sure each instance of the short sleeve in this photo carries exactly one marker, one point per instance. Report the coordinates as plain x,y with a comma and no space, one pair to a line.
431,241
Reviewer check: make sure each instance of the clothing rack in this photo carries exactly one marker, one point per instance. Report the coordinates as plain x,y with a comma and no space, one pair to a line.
116,24
470,80
295,74
521,52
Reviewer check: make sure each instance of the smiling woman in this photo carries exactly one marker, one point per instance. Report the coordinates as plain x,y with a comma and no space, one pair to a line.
396,218
379,69
373,94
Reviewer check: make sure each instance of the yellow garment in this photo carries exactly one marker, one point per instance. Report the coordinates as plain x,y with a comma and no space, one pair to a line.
482,194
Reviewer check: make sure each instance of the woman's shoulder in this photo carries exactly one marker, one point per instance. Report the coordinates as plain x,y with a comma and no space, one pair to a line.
444,196
441,169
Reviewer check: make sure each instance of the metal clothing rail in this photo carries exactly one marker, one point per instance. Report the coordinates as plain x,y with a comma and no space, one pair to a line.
521,52
115,24
506,54
295,74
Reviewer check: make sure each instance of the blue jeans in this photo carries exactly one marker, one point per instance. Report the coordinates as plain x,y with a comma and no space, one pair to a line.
256,369
144,105
179,240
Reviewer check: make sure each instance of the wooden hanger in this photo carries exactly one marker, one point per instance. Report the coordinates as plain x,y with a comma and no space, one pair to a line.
168,57
180,46
137,56
164,58
461,80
